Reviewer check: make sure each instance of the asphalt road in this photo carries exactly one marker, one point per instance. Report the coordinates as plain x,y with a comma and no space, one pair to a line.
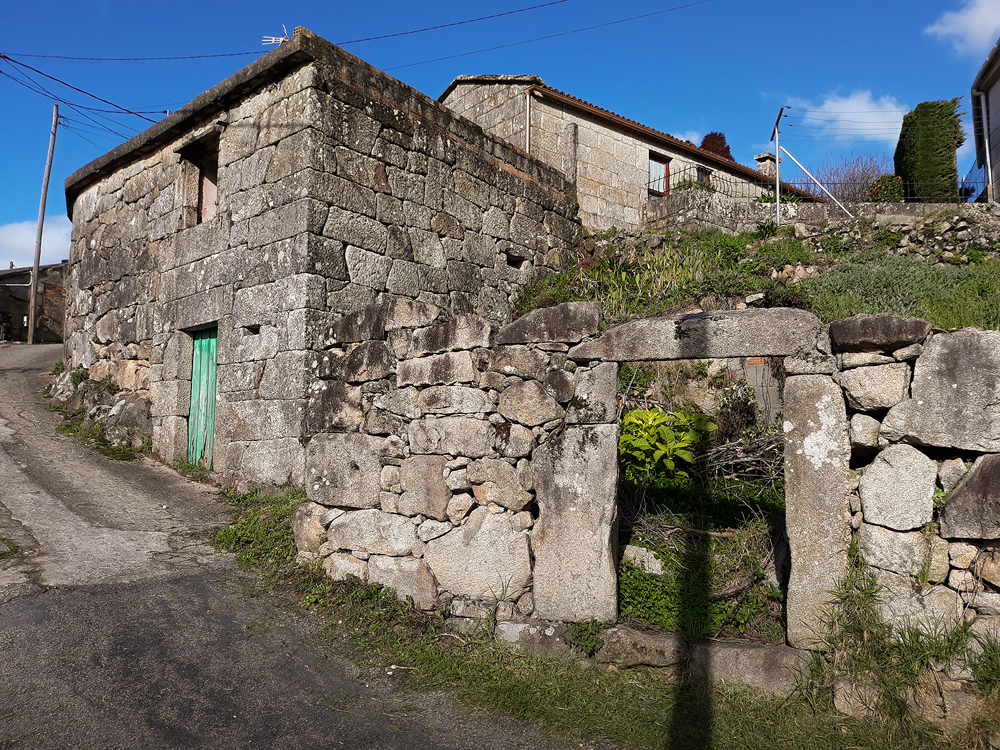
121,628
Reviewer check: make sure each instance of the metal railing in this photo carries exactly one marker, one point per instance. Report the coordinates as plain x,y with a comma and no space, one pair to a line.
978,181
693,178
960,191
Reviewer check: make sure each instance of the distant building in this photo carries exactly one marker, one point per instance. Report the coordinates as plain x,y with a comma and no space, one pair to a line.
619,165
15,288
986,122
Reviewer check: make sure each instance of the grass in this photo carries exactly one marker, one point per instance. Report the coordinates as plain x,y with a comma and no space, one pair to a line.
194,472
94,437
637,708
865,276
710,540
864,647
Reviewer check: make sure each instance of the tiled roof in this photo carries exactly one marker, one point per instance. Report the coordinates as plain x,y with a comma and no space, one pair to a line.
537,84
728,164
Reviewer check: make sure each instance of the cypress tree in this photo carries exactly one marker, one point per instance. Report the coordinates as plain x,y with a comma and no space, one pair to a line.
925,153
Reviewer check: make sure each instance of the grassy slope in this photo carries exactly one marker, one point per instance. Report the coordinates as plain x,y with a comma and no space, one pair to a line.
638,708
632,280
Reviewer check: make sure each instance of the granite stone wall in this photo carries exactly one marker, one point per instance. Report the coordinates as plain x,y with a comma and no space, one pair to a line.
338,188
484,465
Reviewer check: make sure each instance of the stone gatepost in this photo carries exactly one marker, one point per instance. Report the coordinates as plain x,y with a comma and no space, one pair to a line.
817,456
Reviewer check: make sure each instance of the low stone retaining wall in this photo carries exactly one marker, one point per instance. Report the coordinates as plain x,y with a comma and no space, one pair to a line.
479,465
698,209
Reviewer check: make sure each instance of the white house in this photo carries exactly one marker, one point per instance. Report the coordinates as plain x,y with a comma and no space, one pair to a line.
986,120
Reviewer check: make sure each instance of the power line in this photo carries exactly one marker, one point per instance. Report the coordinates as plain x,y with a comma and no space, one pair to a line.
34,86
68,85
261,52
449,25
551,36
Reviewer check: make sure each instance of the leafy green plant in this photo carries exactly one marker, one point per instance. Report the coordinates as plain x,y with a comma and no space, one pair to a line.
586,636
653,440
940,499
59,368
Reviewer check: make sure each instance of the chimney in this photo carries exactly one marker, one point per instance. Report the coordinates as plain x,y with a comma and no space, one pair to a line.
766,164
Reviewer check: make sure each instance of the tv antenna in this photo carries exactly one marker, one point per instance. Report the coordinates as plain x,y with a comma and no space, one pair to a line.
276,39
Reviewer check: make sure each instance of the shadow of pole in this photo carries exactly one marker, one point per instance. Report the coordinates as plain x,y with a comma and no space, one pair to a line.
692,717
691,720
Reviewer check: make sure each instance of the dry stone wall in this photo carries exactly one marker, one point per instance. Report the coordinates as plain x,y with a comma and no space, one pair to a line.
338,188
481,465
474,463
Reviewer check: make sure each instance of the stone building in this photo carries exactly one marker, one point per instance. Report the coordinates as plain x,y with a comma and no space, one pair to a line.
234,256
618,165
986,112
15,285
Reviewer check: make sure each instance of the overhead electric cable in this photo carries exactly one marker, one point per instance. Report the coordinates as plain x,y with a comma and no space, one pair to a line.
261,52
551,36
69,85
449,25
32,85
36,88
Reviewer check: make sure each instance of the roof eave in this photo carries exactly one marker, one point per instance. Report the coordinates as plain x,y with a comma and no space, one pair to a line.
664,138
304,47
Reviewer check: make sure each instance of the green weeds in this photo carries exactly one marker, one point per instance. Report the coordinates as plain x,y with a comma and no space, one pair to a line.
94,436
862,646
194,472
78,376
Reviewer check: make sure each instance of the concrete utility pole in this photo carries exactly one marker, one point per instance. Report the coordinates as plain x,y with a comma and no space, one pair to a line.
777,169
33,293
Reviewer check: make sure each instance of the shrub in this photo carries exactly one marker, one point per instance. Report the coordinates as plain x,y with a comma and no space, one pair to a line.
653,441
886,189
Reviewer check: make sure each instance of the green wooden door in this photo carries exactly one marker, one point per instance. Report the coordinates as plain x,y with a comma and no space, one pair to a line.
201,424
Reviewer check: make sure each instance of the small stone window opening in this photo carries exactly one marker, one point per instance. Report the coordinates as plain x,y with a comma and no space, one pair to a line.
704,176
514,260
200,175
659,175
208,182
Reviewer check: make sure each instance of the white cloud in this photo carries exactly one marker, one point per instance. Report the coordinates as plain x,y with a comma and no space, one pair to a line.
690,135
17,241
972,30
846,119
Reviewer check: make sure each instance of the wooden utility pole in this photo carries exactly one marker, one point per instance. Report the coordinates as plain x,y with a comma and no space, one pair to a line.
33,293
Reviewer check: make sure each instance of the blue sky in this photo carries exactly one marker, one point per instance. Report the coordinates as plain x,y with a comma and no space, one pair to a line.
854,67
